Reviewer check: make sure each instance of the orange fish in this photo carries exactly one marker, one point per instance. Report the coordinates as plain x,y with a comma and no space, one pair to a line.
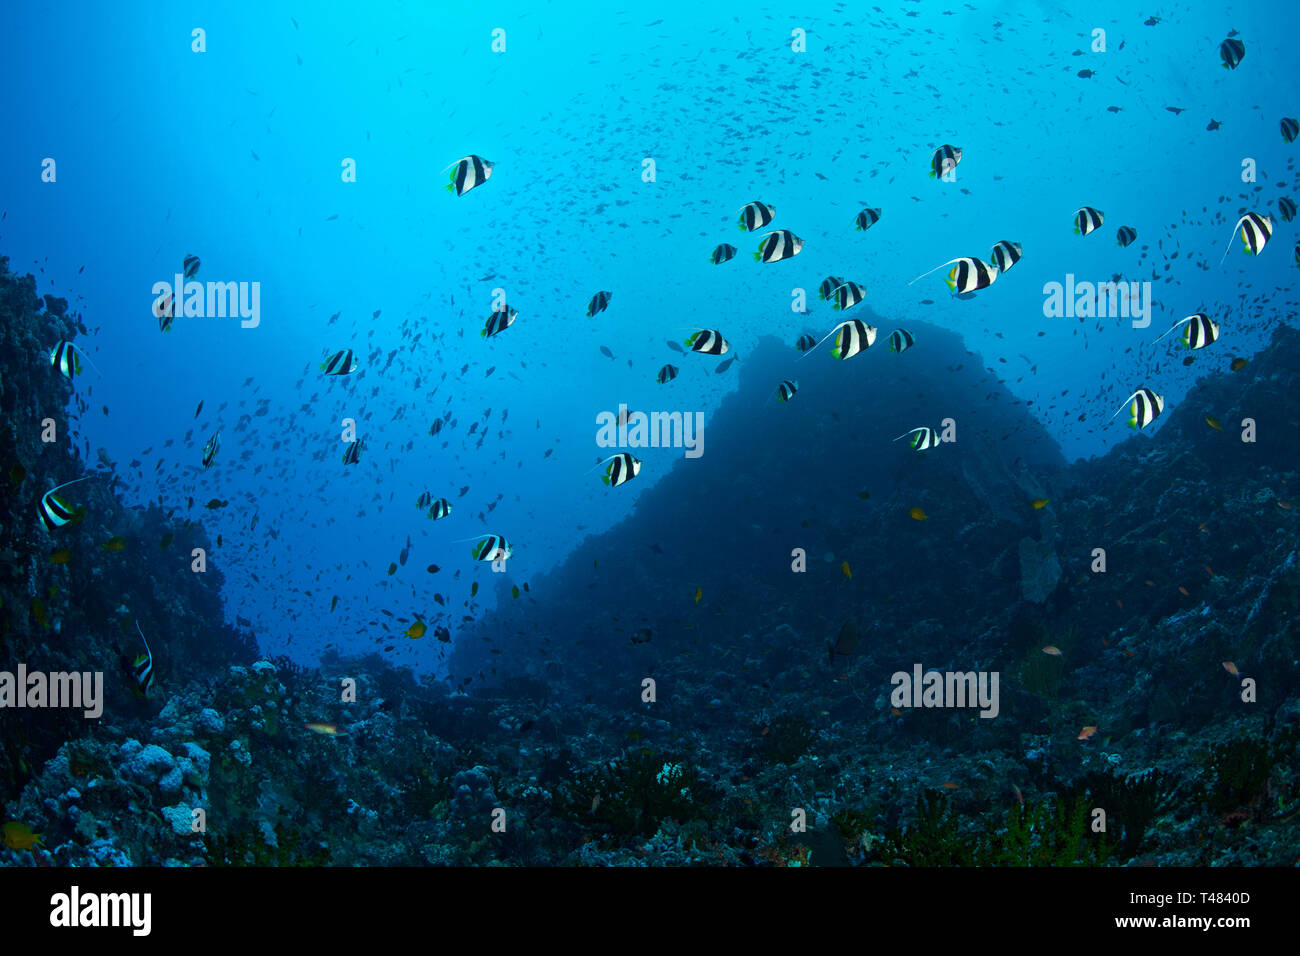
1130,653
1119,604
1284,505
1020,797
699,593
949,785
1213,424
918,514
1150,583
1052,650
1209,570
1204,526
1087,733
1039,503
1231,668
848,573
896,712
1183,591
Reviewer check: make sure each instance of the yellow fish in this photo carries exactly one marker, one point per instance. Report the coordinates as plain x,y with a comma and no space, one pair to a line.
1213,424
1039,503
329,730
918,514
699,593
19,836
514,591
115,543
416,630
38,612
473,589
62,556
844,566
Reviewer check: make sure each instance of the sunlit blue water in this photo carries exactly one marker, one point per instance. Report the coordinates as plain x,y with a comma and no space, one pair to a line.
236,154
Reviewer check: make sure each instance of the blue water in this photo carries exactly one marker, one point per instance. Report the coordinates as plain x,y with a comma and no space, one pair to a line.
235,154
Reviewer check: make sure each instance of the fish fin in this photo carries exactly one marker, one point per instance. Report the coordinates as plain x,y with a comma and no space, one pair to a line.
935,269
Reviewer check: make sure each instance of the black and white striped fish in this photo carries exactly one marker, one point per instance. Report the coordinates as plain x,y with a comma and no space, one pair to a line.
970,275
805,342
1256,230
190,266
1087,219
667,374
498,322
1286,208
945,158
467,173
1199,330
210,449
352,455
900,340
755,215
66,357
723,253
342,362
786,390
708,342
142,669
1145,408
1290,129
866,219
923,438
851,337
828,287
53,510
847,296
599,303
1126,235
492,548
164,310
782,244
1232,51
1006,254
623,467
440,509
